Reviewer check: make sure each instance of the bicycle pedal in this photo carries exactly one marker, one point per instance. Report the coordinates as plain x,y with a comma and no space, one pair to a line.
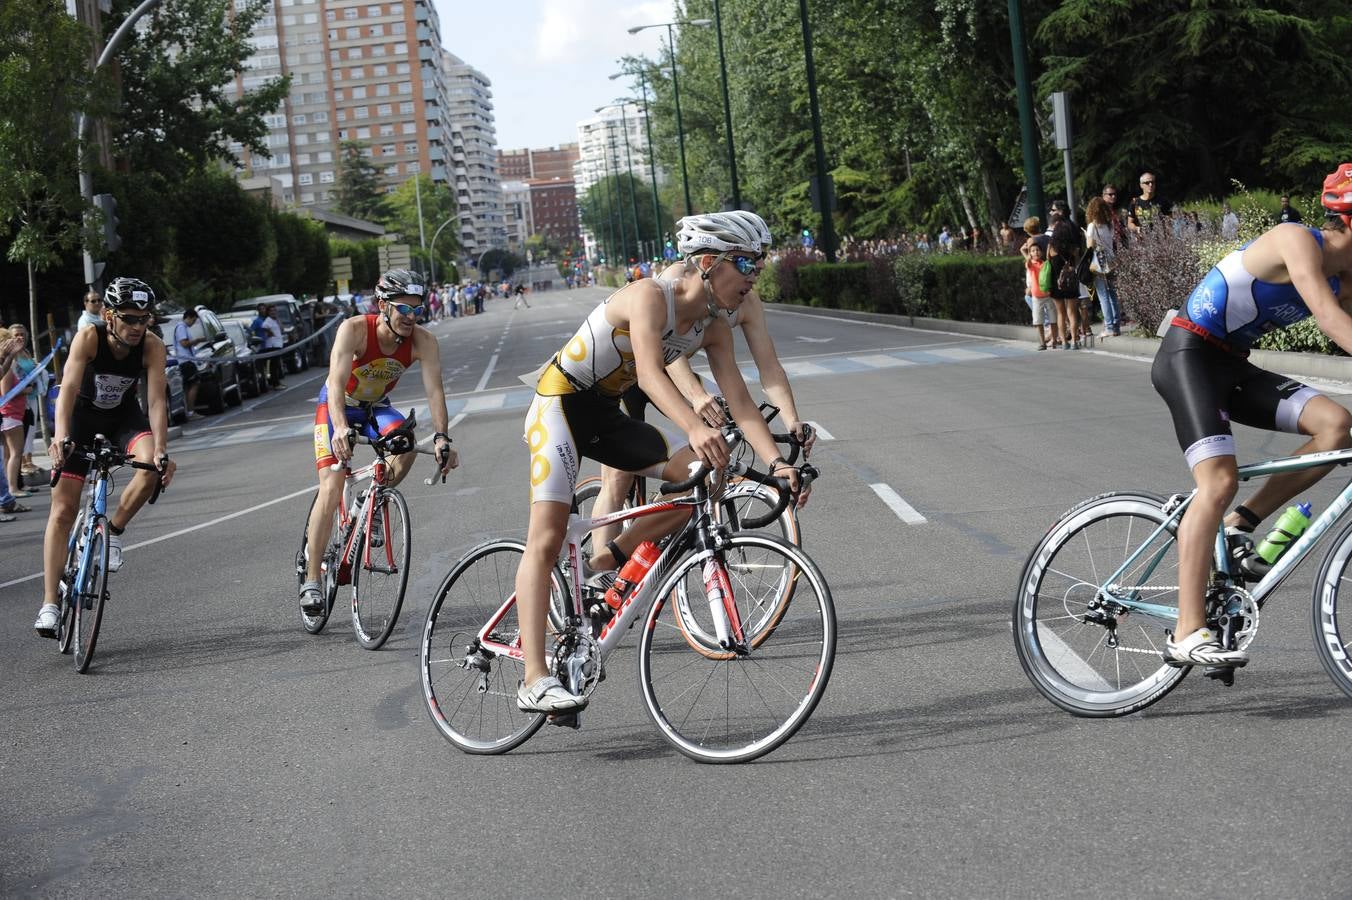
566,720
1224,674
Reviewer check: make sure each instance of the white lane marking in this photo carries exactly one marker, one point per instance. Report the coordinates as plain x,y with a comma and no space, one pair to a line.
1068,662
805,368
451,425
274,393
822,433
814,340
879,361
905,511
479,404
488,373
958,353
198,527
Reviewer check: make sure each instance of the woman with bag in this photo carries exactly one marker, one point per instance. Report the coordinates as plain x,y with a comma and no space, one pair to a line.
1066,247
1099,241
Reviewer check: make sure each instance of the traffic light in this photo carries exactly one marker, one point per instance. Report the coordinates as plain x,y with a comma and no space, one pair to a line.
107,205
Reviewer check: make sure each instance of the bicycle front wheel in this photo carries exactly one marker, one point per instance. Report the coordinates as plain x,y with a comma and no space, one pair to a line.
91,592
380,573
1081,648
734,705
65,626
1330,620
470,689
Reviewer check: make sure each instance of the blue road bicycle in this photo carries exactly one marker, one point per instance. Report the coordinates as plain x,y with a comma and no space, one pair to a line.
83,588
1100,592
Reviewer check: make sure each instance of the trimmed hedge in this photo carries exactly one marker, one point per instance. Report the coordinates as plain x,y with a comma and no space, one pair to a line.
963,287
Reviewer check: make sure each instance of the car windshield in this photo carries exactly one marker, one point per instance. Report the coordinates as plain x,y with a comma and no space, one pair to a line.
237,335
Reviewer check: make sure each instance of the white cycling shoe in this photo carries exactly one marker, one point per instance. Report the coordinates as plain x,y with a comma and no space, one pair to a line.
48,619
1201,648
114,552
547,695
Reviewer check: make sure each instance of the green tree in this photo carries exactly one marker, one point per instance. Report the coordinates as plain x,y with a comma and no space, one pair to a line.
44,80
179,112
438,207
359,191
607,201
206,206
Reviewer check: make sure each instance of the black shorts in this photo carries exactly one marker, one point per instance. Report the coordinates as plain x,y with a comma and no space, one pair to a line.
124,427
635,402
189,372
1207,387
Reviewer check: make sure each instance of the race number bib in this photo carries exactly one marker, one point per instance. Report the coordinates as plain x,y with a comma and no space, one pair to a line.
110,389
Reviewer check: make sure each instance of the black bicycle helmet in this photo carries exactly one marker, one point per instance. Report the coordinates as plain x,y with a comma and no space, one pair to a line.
399,282
128,292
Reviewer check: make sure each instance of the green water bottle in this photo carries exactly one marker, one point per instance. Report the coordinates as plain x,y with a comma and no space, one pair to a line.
1290,526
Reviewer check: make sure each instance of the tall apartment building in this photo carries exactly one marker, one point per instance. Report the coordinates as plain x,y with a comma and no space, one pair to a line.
609,143
549,164
474,157
553,205
359,70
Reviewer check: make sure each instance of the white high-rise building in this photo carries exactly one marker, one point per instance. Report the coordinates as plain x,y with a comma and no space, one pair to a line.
474,156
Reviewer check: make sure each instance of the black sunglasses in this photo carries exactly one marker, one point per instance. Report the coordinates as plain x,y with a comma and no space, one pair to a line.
135,320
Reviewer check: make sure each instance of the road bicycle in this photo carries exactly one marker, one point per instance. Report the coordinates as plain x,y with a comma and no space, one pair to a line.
370,543
83,588
743,505
721,680
1098,596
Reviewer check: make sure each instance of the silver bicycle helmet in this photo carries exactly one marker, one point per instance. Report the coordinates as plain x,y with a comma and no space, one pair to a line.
720,233
398,283
128,292
756,223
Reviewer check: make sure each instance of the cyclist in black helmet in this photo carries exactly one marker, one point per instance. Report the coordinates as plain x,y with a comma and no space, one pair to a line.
98,396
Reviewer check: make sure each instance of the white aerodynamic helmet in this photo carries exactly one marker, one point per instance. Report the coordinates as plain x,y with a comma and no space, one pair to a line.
721,233
756,223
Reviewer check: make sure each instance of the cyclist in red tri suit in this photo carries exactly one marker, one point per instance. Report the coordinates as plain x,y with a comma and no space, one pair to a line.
370,353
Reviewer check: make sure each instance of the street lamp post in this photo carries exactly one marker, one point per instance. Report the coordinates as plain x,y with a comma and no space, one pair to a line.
652,160
727,109
610,202
432,254
629,162
823,194
619,199
676,94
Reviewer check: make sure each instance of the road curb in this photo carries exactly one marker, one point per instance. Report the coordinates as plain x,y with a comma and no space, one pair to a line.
1305,365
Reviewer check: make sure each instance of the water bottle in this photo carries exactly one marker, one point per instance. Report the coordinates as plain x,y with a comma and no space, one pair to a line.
632,572
1290,526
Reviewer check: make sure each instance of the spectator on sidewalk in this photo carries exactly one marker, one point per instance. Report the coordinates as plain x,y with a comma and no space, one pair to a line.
1148,207
1099,242
11,424
33,394
267,330
93,311
1038,300
1288,213
1066,244
1230,223
187,359
1117,218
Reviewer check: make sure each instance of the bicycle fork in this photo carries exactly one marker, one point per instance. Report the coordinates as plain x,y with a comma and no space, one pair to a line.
723,606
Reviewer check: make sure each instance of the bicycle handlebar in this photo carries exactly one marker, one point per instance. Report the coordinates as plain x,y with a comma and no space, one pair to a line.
101,452
807,474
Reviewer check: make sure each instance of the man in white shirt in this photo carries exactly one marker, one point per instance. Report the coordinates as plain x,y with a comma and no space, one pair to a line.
187,359
93,311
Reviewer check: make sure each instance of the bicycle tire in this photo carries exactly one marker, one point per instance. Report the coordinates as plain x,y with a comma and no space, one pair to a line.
89,598
328,579
1060,659
1328,631
740,706
65,625
377,569
476,712
744,498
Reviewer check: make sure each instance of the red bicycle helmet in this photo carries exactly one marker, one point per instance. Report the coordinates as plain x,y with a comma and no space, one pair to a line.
1337,194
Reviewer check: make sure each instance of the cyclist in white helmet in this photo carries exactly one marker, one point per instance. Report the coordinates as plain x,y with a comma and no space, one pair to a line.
630,338
703,395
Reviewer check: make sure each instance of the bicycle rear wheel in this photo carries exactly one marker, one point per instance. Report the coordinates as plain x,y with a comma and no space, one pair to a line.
743,499
380,572
470,690
1086,653
328,573
729,706
91,592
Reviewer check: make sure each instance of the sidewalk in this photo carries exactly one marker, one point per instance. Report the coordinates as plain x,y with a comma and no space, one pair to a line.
1301,365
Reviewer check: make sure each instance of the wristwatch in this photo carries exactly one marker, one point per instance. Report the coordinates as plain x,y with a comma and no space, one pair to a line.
442,434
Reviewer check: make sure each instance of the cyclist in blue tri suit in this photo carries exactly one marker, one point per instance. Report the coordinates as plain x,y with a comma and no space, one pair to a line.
1288,274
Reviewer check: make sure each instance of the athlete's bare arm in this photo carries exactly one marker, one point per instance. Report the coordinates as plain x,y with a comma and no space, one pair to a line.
82,350
426,351
1301,257
156,395
773,379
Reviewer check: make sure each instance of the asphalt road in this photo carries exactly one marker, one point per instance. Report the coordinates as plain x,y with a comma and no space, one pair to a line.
215,749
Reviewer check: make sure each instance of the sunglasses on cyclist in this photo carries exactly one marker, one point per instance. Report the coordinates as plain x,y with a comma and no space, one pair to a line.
745,265
406,310
135,320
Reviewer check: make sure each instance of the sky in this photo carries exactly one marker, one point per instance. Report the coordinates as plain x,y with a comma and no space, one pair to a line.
549,60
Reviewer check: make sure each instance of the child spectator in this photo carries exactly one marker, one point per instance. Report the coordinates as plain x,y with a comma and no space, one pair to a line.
1044,316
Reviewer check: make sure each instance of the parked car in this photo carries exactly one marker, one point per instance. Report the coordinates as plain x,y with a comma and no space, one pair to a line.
217,363
251,376
175,394
289,317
